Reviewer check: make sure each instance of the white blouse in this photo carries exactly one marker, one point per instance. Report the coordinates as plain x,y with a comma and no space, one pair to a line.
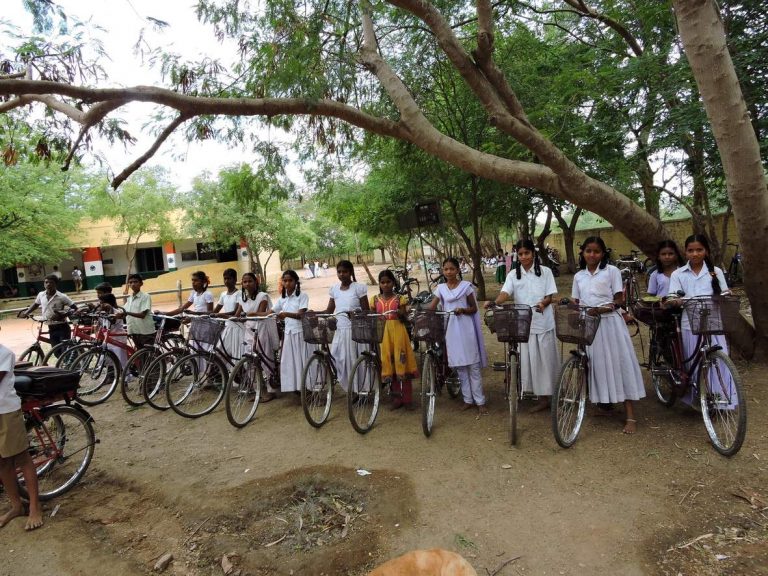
347,300
229,301
693,284
530,289
598,288
200,301
292,304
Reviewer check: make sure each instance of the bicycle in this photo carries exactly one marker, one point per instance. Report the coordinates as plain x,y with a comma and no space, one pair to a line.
243,389
512,325
365,386
630,266
708,373
319,374
735,272
429,327
578,325
35,353
61,436
82,331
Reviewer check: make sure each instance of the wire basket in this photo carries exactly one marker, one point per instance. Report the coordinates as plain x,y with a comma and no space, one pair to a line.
367,328
429,326
318,329
713,314
513,323
205,330
573,324
652,313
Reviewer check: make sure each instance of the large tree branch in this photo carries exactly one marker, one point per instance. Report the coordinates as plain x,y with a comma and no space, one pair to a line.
582,8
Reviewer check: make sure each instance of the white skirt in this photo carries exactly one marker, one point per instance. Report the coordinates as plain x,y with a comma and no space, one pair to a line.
232,339
539,363
295,355
345,352
614,373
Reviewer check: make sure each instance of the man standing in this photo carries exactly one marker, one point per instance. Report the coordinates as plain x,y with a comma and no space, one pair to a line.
55,306
77,278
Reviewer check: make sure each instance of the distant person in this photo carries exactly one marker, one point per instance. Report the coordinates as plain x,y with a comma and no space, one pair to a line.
56,272
501,268
55,306
77,278
14,449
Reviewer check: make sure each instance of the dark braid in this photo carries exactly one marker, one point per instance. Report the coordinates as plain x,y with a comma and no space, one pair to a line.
527,245
455,262
391,275
702,239
347,265
291,274
593,240
244,292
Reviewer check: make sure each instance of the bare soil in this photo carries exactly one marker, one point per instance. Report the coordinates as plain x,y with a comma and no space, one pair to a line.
280,497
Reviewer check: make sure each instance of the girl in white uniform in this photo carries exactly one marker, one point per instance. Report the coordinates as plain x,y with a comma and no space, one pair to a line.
346,296
200,301
614,372
290,307
233,335
532,284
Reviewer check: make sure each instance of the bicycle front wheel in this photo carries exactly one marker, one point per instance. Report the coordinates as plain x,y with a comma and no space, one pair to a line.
569,402
243,392
137,374
194,392
428,393
723,404
33,354
68,356
317,390
364,393
512,397
99,374
52,356
61,446
153,389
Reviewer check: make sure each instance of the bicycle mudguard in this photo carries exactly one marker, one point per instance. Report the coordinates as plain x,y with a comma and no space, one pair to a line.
43,381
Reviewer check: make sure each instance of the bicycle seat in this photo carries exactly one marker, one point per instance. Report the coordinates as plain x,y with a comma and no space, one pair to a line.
23,385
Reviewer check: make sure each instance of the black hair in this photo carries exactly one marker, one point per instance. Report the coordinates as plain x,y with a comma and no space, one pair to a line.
593,240
108,298
244,291
230,273
347,265
200,275
53,278
292,274
668,244
700,238
135,277
528,245
104,287
455,262
391,275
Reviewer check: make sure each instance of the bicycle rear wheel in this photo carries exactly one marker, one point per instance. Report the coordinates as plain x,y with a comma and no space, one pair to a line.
723,404
194,392
54,353
99,374
33,354
364,393
137,374
512,396
243,392
153,389
317,390
569,402
61,447
428,393
67,357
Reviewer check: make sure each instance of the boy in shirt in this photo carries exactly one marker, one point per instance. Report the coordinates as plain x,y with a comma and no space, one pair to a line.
138,313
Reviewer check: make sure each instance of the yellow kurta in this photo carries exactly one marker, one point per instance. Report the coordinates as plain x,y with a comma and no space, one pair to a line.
397,357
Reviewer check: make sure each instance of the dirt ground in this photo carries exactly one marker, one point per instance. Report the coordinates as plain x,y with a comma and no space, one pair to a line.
280,497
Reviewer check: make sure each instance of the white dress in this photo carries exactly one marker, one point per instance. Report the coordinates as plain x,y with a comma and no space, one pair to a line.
539,358
696,285
200,302
265,330
343,349
463,335
614,373
233,334
296,352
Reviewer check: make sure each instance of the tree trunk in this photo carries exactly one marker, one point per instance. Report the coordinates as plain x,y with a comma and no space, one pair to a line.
371,280
703,38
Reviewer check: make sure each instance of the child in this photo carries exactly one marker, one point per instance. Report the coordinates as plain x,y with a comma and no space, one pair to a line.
346,296
398,362
533,284
108,303
668,259
614,373
699,277
463,336
137,313
501,268
252,302
290,307
200,301
54,305
13,449
233,334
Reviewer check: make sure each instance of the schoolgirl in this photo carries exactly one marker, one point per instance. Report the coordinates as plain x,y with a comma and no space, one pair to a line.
398,363
668,259
345,296
291,306
463,336
698,277
200,301
533,284
108,303
233,335
614,372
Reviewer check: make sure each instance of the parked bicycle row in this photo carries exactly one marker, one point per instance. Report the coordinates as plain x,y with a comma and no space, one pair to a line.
367,346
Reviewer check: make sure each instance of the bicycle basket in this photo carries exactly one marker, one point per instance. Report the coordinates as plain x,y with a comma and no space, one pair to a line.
713,314
574,325
513,323
429,326
205,330
367,328
171,324
489,321
652,313
318,329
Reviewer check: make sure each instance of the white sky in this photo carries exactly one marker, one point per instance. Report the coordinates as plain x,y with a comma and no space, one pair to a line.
122,21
